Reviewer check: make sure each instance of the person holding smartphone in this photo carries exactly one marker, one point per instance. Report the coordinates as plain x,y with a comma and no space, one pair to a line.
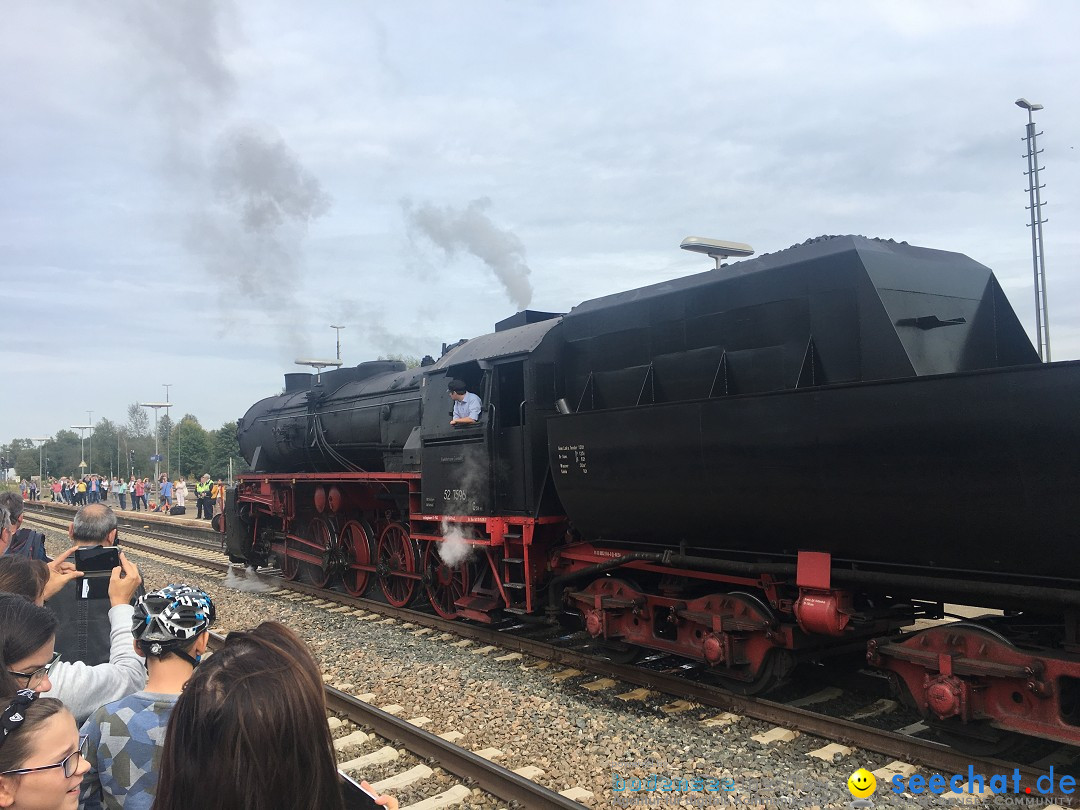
85,606
28,657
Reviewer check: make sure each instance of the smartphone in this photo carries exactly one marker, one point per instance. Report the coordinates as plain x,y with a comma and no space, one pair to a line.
357,797
96,563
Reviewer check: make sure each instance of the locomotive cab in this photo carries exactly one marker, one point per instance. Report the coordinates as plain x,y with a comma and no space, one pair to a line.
499,465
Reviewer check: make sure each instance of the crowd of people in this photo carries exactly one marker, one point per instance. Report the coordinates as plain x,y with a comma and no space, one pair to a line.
106,701
161,495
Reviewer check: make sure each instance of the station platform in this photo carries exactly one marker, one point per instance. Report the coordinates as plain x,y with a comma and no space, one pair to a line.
127,514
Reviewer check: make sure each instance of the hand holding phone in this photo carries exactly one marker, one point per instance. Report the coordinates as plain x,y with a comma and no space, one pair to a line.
361,796
124,582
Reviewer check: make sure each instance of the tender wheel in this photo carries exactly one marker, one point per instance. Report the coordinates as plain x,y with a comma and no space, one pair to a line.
395,560
355,541
444,585
323,537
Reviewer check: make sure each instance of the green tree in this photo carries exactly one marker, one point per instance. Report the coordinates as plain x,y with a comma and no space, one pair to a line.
138,421
226,447
104,446
192,446
62,454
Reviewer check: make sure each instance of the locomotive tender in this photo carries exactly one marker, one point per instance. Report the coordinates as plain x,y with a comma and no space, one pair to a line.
791,455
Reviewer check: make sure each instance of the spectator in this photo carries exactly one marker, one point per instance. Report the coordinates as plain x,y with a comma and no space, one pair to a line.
29,661
40,753
6,530
164,493
217,497
171,629
137,493
23,576
34,579
26,542
56,487
147,489
85,607
203,500
121,493
249,730
80,492
180,490
94,489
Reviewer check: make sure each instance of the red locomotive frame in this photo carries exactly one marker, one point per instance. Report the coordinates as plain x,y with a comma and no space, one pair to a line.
368,529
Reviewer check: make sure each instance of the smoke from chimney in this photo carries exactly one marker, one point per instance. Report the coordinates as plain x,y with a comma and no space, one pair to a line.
472,231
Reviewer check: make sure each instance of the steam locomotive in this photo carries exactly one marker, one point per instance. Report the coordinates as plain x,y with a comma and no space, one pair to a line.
793,455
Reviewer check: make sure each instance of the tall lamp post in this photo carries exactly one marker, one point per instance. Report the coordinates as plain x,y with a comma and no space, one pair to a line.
82,446
41,448
168,436
90,422
156,406
338,329
1038,261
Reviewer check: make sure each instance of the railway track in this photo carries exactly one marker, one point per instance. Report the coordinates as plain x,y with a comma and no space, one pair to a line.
907,750
350,715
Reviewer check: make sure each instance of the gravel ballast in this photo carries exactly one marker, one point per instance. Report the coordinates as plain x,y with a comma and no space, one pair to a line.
579,739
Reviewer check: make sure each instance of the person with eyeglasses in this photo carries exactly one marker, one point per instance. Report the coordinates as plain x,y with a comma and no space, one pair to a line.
28,659
41,754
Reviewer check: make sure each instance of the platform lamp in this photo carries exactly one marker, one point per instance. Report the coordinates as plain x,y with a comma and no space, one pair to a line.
337,330
41,448
716,249
1038,247
168,436
82,446
156,406
90,422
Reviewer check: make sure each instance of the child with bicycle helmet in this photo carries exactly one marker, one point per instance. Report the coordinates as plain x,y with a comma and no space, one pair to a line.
171,630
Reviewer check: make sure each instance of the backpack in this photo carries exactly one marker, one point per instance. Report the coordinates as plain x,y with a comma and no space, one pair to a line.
28,543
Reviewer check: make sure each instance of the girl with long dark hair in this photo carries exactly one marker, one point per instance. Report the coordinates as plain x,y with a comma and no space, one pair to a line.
249,731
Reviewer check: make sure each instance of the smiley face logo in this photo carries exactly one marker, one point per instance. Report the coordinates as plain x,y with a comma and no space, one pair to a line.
861,783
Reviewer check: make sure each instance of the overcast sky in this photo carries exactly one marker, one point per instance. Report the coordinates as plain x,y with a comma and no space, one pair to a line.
192,192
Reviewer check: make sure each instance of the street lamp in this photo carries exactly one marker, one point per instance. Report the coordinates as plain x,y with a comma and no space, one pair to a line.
1038,247
90,421
156,406
338,332
168,436
41,447
82,445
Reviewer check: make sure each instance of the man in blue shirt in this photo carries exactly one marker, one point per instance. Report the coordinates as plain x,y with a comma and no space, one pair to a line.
467,406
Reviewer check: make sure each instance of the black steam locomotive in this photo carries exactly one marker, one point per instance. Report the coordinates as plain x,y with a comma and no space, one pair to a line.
749,467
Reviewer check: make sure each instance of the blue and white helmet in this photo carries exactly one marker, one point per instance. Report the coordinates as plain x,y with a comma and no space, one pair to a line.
171,618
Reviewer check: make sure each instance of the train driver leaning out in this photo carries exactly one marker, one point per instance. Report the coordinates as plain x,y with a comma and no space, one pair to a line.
467,406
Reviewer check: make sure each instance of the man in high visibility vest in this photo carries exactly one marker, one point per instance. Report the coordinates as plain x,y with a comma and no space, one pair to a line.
203,499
